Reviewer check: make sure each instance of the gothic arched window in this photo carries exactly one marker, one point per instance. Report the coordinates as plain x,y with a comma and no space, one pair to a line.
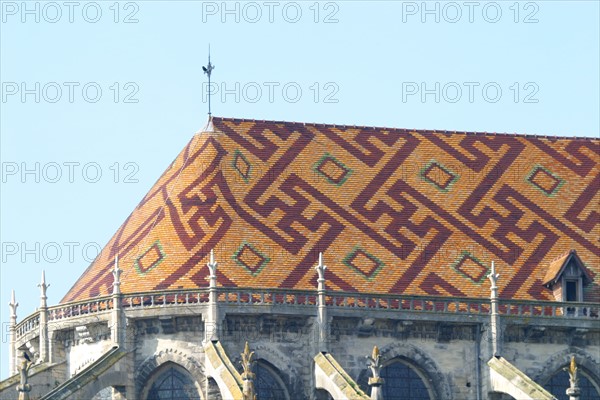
403,382
173,384
267,384
560,382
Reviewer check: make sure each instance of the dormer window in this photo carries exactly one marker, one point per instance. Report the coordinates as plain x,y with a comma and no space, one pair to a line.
566,277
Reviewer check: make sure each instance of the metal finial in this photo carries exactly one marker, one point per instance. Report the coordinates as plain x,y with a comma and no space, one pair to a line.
208,70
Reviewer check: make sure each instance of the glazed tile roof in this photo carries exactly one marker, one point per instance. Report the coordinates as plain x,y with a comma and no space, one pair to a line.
393,210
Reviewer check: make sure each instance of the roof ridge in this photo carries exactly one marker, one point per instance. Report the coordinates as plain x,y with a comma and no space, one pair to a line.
421,131
563,254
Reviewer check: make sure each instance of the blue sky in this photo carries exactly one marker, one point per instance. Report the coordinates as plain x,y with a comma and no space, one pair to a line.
98,97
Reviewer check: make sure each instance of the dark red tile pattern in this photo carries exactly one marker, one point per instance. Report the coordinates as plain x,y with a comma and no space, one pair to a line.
479,197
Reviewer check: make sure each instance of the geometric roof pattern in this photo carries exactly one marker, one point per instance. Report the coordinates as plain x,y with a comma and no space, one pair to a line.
393,210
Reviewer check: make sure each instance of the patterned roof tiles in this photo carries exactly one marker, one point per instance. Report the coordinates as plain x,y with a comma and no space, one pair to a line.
393,210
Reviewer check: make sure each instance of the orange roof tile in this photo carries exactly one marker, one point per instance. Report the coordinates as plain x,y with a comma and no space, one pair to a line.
393,210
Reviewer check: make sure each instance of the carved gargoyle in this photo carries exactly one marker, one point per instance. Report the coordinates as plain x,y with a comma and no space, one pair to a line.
24,387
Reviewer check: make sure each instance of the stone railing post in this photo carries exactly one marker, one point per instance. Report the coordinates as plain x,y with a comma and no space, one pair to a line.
12,350
117,329
43,319
495,317
211,328
322,309
375,381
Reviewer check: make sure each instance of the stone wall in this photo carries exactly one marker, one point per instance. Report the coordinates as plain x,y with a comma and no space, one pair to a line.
449,355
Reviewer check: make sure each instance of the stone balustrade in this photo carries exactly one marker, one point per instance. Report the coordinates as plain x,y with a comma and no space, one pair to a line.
65,311
29,324
168,298
308,299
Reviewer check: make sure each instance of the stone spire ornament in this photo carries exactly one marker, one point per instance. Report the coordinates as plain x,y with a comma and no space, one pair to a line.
13,304
248,376
211,330
494,322
44,343
322,310
43,288
493,277
212,268
12,351
320,267
117,331
375,381
117,276
573,391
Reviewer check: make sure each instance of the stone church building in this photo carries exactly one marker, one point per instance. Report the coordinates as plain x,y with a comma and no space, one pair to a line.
354,262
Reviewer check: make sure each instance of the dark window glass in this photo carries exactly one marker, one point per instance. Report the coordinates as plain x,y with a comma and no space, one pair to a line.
173,384
560,382
571,291
402,382
267,387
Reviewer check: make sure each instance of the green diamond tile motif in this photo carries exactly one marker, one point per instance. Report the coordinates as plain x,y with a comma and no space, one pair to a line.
333,170
544,180
363,262
250,258
438,175
150,259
